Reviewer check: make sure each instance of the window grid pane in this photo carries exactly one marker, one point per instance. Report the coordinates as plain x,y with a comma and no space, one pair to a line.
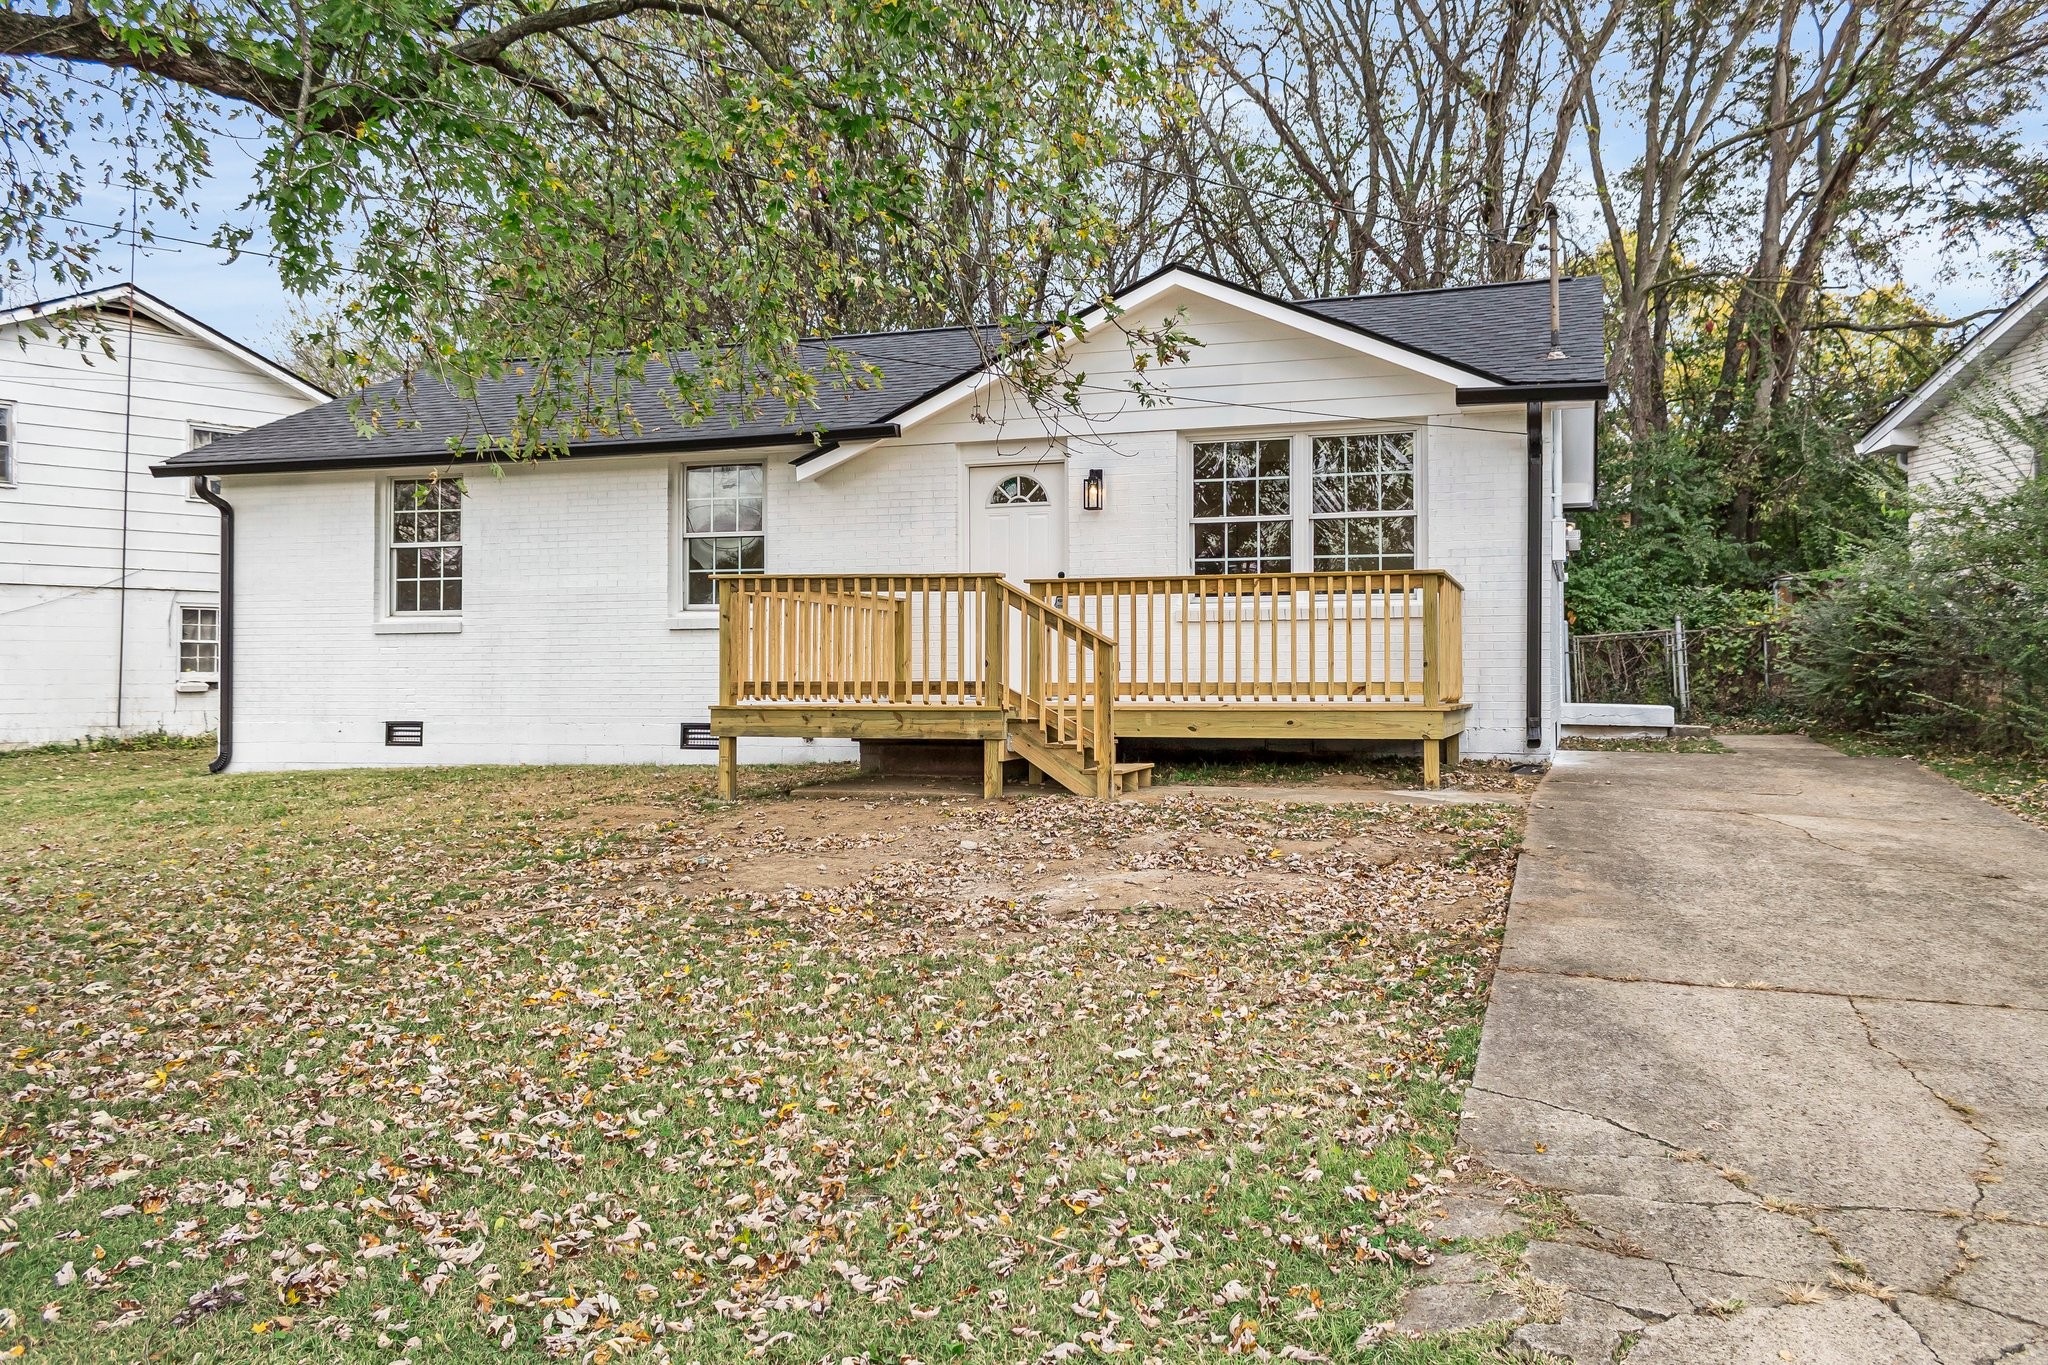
722,507
1362,501
426,546
199,640
1243,503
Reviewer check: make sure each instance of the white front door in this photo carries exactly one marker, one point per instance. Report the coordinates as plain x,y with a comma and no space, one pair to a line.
1018,522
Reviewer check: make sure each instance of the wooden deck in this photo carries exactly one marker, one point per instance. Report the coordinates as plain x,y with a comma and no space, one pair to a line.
1059,673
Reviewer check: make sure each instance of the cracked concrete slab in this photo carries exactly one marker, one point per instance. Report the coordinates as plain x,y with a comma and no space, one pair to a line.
1845,1331
1775,1022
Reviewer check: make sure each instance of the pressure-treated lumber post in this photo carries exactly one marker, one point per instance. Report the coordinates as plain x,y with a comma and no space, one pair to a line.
1432,761
1105,720
899,652
994,654
728,687
1450,751
1432,644
992,754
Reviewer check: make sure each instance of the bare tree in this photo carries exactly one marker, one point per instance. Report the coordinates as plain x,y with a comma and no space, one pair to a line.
1351,144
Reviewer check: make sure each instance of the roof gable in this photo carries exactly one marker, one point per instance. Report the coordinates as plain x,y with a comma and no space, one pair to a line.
1998,339
147,306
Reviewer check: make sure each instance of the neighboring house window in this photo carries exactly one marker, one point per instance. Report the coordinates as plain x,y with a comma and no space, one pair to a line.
203,436
425,549
199,641
721,527
1362,501
1244,513
6,443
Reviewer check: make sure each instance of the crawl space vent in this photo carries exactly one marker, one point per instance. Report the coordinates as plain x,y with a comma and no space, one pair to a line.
697,735
405,734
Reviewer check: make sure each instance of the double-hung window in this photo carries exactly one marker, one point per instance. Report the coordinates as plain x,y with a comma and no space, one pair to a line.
1332,503
424,551
202,436
721,527
199,642
6,444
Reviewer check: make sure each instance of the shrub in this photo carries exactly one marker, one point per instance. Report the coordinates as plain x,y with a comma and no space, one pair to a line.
1942,635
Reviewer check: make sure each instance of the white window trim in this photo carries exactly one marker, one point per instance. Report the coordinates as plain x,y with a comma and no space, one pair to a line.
683,614
178,641
192,430
10,449
386,621
1300,468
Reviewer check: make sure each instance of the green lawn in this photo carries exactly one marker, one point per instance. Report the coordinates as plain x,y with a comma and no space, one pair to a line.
583,1063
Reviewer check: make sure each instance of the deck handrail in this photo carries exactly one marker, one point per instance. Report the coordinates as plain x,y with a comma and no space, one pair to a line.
1386,636
1067,690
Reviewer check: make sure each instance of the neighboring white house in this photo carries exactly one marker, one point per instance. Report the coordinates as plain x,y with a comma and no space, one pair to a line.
109,579
394,605
1943,434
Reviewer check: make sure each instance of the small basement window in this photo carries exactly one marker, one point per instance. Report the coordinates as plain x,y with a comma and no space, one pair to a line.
199,642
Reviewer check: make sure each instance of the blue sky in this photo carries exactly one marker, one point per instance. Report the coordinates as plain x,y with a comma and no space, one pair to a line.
243,298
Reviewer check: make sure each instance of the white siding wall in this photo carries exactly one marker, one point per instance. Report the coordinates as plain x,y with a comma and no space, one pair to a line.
1958,447
61,526
570,649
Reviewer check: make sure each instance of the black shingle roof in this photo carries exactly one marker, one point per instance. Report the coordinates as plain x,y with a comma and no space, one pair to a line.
1500,332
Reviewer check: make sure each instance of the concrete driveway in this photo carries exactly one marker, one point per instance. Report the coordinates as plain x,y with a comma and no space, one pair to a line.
1776,1023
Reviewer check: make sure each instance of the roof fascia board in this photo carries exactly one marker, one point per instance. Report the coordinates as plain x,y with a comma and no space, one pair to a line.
823,461
1895,431
1503,394
181,466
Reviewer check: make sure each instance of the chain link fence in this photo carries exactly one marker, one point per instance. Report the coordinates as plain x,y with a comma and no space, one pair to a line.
1715,673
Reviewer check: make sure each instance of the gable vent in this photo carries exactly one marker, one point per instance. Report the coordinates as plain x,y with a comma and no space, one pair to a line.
697,735
405,734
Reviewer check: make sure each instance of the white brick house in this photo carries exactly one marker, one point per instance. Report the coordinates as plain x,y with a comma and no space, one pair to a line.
547,613
1943,432
109,579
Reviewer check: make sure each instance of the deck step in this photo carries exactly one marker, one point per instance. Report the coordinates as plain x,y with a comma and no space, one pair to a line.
1065,767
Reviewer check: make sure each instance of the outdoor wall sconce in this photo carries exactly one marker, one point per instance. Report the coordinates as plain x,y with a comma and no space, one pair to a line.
1091,491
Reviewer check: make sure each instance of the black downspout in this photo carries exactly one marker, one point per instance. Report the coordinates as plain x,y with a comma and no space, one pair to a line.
203,486
1534,646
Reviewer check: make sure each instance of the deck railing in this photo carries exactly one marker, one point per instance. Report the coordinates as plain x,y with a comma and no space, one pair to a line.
835,639
920,640
1388,637
1065,680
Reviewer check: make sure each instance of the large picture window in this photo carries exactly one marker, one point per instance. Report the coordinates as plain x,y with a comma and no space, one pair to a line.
721,527
1244,515
425,549
1362,501
1348,499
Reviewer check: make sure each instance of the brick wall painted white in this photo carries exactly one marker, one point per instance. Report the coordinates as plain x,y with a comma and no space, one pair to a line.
571,648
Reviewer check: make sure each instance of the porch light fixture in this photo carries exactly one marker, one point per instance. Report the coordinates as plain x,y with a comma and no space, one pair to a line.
1091,491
